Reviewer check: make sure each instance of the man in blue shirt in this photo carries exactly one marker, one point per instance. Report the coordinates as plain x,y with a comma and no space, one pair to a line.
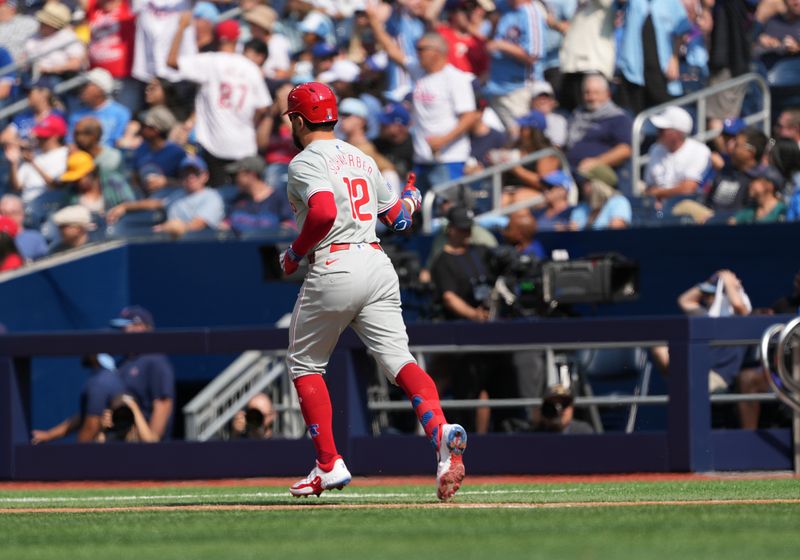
257,207
406,25
31,244
97,102
599,131
648,53
195,207
100,389
517,44
149,378
156,161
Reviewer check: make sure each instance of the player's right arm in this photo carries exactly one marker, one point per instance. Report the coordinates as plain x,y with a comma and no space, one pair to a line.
400,215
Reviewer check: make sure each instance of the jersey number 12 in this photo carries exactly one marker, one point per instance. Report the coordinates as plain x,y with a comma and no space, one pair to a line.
358,191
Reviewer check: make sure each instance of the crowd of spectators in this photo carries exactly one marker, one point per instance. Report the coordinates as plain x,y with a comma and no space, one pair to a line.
178,106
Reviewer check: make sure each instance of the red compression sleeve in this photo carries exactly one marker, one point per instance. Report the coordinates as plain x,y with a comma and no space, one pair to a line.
319,221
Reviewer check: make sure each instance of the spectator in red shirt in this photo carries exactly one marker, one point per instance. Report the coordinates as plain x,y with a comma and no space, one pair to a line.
112,25
462,33
9,256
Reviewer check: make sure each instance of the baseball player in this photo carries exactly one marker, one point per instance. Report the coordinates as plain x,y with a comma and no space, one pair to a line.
338,194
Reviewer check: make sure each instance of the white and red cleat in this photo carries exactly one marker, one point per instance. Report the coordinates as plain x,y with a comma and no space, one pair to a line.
450,471
319,480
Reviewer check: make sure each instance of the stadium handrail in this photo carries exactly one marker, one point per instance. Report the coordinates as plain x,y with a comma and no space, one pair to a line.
700,97
495,174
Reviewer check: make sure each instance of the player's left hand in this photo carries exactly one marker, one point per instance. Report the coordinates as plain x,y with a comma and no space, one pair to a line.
290,261
411,192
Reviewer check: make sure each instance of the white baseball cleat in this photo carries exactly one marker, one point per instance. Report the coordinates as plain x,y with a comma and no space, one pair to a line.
318,480
450,471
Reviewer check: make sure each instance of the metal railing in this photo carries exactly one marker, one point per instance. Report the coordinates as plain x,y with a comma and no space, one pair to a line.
450,189
701,98
774,354
211,411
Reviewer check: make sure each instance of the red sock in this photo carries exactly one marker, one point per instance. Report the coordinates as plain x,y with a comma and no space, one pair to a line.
421,391
315,403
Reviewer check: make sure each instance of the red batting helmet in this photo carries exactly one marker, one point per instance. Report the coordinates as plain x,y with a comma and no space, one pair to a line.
314,101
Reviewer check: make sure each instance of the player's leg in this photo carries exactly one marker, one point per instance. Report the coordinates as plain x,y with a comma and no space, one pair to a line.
317,321
380,325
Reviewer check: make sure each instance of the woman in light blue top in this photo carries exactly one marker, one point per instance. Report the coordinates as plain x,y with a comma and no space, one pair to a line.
602,207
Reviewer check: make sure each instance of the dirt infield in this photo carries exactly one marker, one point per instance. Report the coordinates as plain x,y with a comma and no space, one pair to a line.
456,505
396,480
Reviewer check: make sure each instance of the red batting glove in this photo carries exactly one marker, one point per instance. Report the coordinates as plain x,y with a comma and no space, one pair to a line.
411,192
290,261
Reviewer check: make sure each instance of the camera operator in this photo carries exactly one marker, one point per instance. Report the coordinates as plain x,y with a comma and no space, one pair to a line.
558,411
463,283
124,421
255,421
460,272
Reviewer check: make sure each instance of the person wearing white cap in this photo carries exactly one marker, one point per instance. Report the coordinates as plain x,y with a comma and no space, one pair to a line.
97,101
74,224
678,164
543,99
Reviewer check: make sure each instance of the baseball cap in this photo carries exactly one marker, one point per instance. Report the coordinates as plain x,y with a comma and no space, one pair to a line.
542,88
207,11
603,173
160,118
250,163
42,82
133,314
675,118
194,162
534,119
79,164
227,30
707,287
768,173
51,125
262,16
732,127
558,392
460,217
8,226
75,215
316,23
558,179
394,113
54,14
102,78
353,106
340,71
323,50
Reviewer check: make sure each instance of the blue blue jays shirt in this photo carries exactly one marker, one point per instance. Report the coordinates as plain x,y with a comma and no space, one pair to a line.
524,27
406,29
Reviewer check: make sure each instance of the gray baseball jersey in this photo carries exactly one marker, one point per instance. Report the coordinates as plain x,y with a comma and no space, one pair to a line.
355,284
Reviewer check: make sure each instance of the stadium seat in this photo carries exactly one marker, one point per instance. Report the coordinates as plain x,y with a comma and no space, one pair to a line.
38,209
614,372
135,224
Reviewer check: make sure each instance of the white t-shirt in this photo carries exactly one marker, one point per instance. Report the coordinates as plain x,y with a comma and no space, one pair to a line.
61,47
231,89
667,169
279,59
358,188
439,99
54,163
156,23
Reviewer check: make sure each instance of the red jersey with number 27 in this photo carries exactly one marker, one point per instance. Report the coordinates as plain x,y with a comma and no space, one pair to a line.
359,189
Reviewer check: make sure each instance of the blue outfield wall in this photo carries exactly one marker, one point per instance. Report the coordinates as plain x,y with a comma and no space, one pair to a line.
193,284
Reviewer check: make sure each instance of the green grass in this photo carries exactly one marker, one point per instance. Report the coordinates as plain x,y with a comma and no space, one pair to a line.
729,531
